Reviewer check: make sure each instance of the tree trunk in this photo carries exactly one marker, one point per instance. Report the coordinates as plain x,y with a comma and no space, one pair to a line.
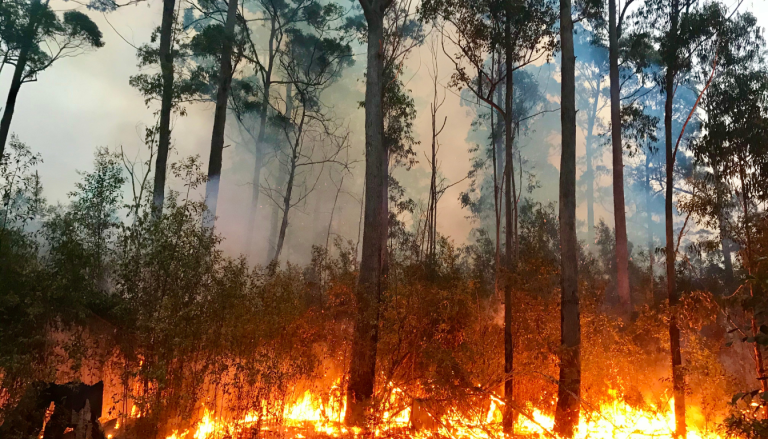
286,208
166,69
18,74
619,210
724,244
590,172
295,153
569,386
260,149
509,237
362,372
274,229
757,350
649,228
220,119
678,379
498,172
333,210
258,164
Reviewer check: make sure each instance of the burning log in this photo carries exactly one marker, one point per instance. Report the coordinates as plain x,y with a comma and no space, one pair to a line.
57,411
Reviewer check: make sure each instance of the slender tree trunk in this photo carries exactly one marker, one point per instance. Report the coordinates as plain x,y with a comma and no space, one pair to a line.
18,73
260,149
258,164
724,244
678,378
166,105
274,229
286,209
333,210
569,387
619,209
295,153
509,238
649,227
384,222
758,352
362,372
590,173
220,118
498,171
431,232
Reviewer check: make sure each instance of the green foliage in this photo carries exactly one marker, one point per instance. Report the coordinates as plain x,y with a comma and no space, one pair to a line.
35,28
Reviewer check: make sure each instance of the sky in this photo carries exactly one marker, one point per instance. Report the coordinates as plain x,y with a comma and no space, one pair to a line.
86,102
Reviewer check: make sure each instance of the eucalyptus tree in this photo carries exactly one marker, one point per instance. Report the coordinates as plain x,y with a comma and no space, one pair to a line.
520,33
688,30
165,86
362,369
252,101
189,82
569,383
33,37
591,70
312,62
733,159
390,33
221,40
617,152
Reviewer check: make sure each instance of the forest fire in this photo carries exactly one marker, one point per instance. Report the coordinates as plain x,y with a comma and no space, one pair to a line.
314,415
319,279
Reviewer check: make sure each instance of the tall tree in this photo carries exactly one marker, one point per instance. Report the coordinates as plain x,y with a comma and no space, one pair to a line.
619,208
166,104
226,70
523,33
362,370
390,33
688,28
178,82
312,62
569,384
256,102
33,38
733,156
591,70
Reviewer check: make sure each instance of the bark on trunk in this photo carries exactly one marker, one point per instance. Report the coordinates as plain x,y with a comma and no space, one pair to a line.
362,371
166,71
678,379
620,220
220,119
286,209
509,239
569,386
10,103
498,173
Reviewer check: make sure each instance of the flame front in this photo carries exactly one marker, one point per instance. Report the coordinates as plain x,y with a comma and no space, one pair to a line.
315,414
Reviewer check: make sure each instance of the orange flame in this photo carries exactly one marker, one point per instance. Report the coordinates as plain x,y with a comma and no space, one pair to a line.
314,414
